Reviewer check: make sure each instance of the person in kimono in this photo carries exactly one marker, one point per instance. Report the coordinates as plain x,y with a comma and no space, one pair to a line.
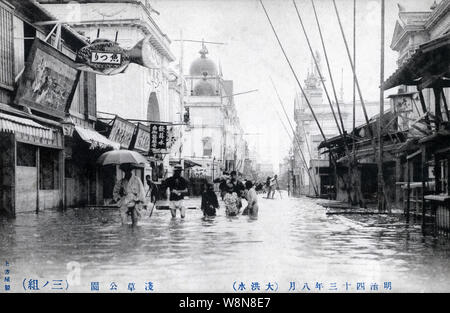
209,202
129,193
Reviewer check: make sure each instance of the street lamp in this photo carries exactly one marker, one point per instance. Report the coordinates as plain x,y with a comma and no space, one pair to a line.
68,126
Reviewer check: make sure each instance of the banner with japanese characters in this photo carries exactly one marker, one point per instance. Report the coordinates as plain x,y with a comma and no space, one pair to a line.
158,138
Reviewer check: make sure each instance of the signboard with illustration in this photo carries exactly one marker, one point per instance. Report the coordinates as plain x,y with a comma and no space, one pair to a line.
122,132
142,141
49,80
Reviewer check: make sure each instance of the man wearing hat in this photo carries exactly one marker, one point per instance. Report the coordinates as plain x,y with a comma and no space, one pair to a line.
128,192
176,189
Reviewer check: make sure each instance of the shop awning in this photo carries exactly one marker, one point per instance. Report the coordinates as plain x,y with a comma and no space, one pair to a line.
95,139
12,124
189,163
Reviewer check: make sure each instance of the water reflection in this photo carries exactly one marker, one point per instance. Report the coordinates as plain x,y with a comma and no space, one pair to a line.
292,240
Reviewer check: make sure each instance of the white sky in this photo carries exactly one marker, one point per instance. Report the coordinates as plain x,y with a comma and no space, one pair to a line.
251,54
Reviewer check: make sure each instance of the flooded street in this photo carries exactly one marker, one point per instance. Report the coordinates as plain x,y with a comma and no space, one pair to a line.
293,240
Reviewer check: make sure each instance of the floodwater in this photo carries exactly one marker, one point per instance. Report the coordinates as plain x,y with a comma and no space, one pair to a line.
293,240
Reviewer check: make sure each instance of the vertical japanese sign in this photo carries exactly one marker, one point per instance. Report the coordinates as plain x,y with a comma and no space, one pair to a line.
7,276
158,138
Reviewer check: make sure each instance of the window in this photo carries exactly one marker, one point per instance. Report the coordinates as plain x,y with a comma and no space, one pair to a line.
6,50
26,155
443,176
48,169
207,146
29,32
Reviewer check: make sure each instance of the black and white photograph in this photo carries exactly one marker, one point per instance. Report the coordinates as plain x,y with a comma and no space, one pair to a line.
241,147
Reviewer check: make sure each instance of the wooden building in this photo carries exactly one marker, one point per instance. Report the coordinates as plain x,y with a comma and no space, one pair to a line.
427,156
47,114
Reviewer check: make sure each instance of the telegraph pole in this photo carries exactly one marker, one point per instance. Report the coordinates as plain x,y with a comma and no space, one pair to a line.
381,196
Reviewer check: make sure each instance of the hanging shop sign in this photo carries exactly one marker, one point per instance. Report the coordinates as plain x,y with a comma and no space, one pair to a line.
142,138
158,138
107,57
49,80
122,132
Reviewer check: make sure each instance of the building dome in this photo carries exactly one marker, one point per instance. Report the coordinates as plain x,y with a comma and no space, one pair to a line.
203,66
204,88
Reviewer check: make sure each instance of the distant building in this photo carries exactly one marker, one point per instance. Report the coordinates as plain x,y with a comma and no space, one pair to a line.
214,137
309,136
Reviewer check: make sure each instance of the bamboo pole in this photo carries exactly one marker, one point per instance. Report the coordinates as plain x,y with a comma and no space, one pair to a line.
293,131
347,152
358,89
293,72
328,66
297,80
302,156
353,67
341,128
354,64
381,196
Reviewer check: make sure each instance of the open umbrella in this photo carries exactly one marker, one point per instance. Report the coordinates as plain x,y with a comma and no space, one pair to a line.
121,157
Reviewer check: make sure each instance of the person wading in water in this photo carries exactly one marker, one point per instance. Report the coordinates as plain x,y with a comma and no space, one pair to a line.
209,201
176,189
129,193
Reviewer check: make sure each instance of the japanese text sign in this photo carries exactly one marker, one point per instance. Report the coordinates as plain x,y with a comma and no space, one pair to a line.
158,137
106,57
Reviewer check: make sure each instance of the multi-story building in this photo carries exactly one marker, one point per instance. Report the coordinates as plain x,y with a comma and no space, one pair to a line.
414,28
214,136
48,111
423,43
308,136
140,94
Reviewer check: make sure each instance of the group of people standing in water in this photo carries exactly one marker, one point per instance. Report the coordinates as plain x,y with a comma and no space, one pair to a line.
232,192
130,196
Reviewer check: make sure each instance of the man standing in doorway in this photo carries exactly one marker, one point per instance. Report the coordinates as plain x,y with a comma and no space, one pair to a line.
176,189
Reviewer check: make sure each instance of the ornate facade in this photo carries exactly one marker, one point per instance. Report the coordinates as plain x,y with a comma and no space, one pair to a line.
214,136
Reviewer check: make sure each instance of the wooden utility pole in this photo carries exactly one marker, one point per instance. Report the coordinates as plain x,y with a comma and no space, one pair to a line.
381,196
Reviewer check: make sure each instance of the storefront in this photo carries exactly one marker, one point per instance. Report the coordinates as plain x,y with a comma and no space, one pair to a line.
83,177
31,159
124,135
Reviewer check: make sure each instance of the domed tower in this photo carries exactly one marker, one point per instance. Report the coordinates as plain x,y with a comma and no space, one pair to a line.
203,66
204,73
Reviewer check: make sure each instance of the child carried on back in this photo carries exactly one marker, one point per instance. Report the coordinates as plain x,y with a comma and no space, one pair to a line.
232,201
